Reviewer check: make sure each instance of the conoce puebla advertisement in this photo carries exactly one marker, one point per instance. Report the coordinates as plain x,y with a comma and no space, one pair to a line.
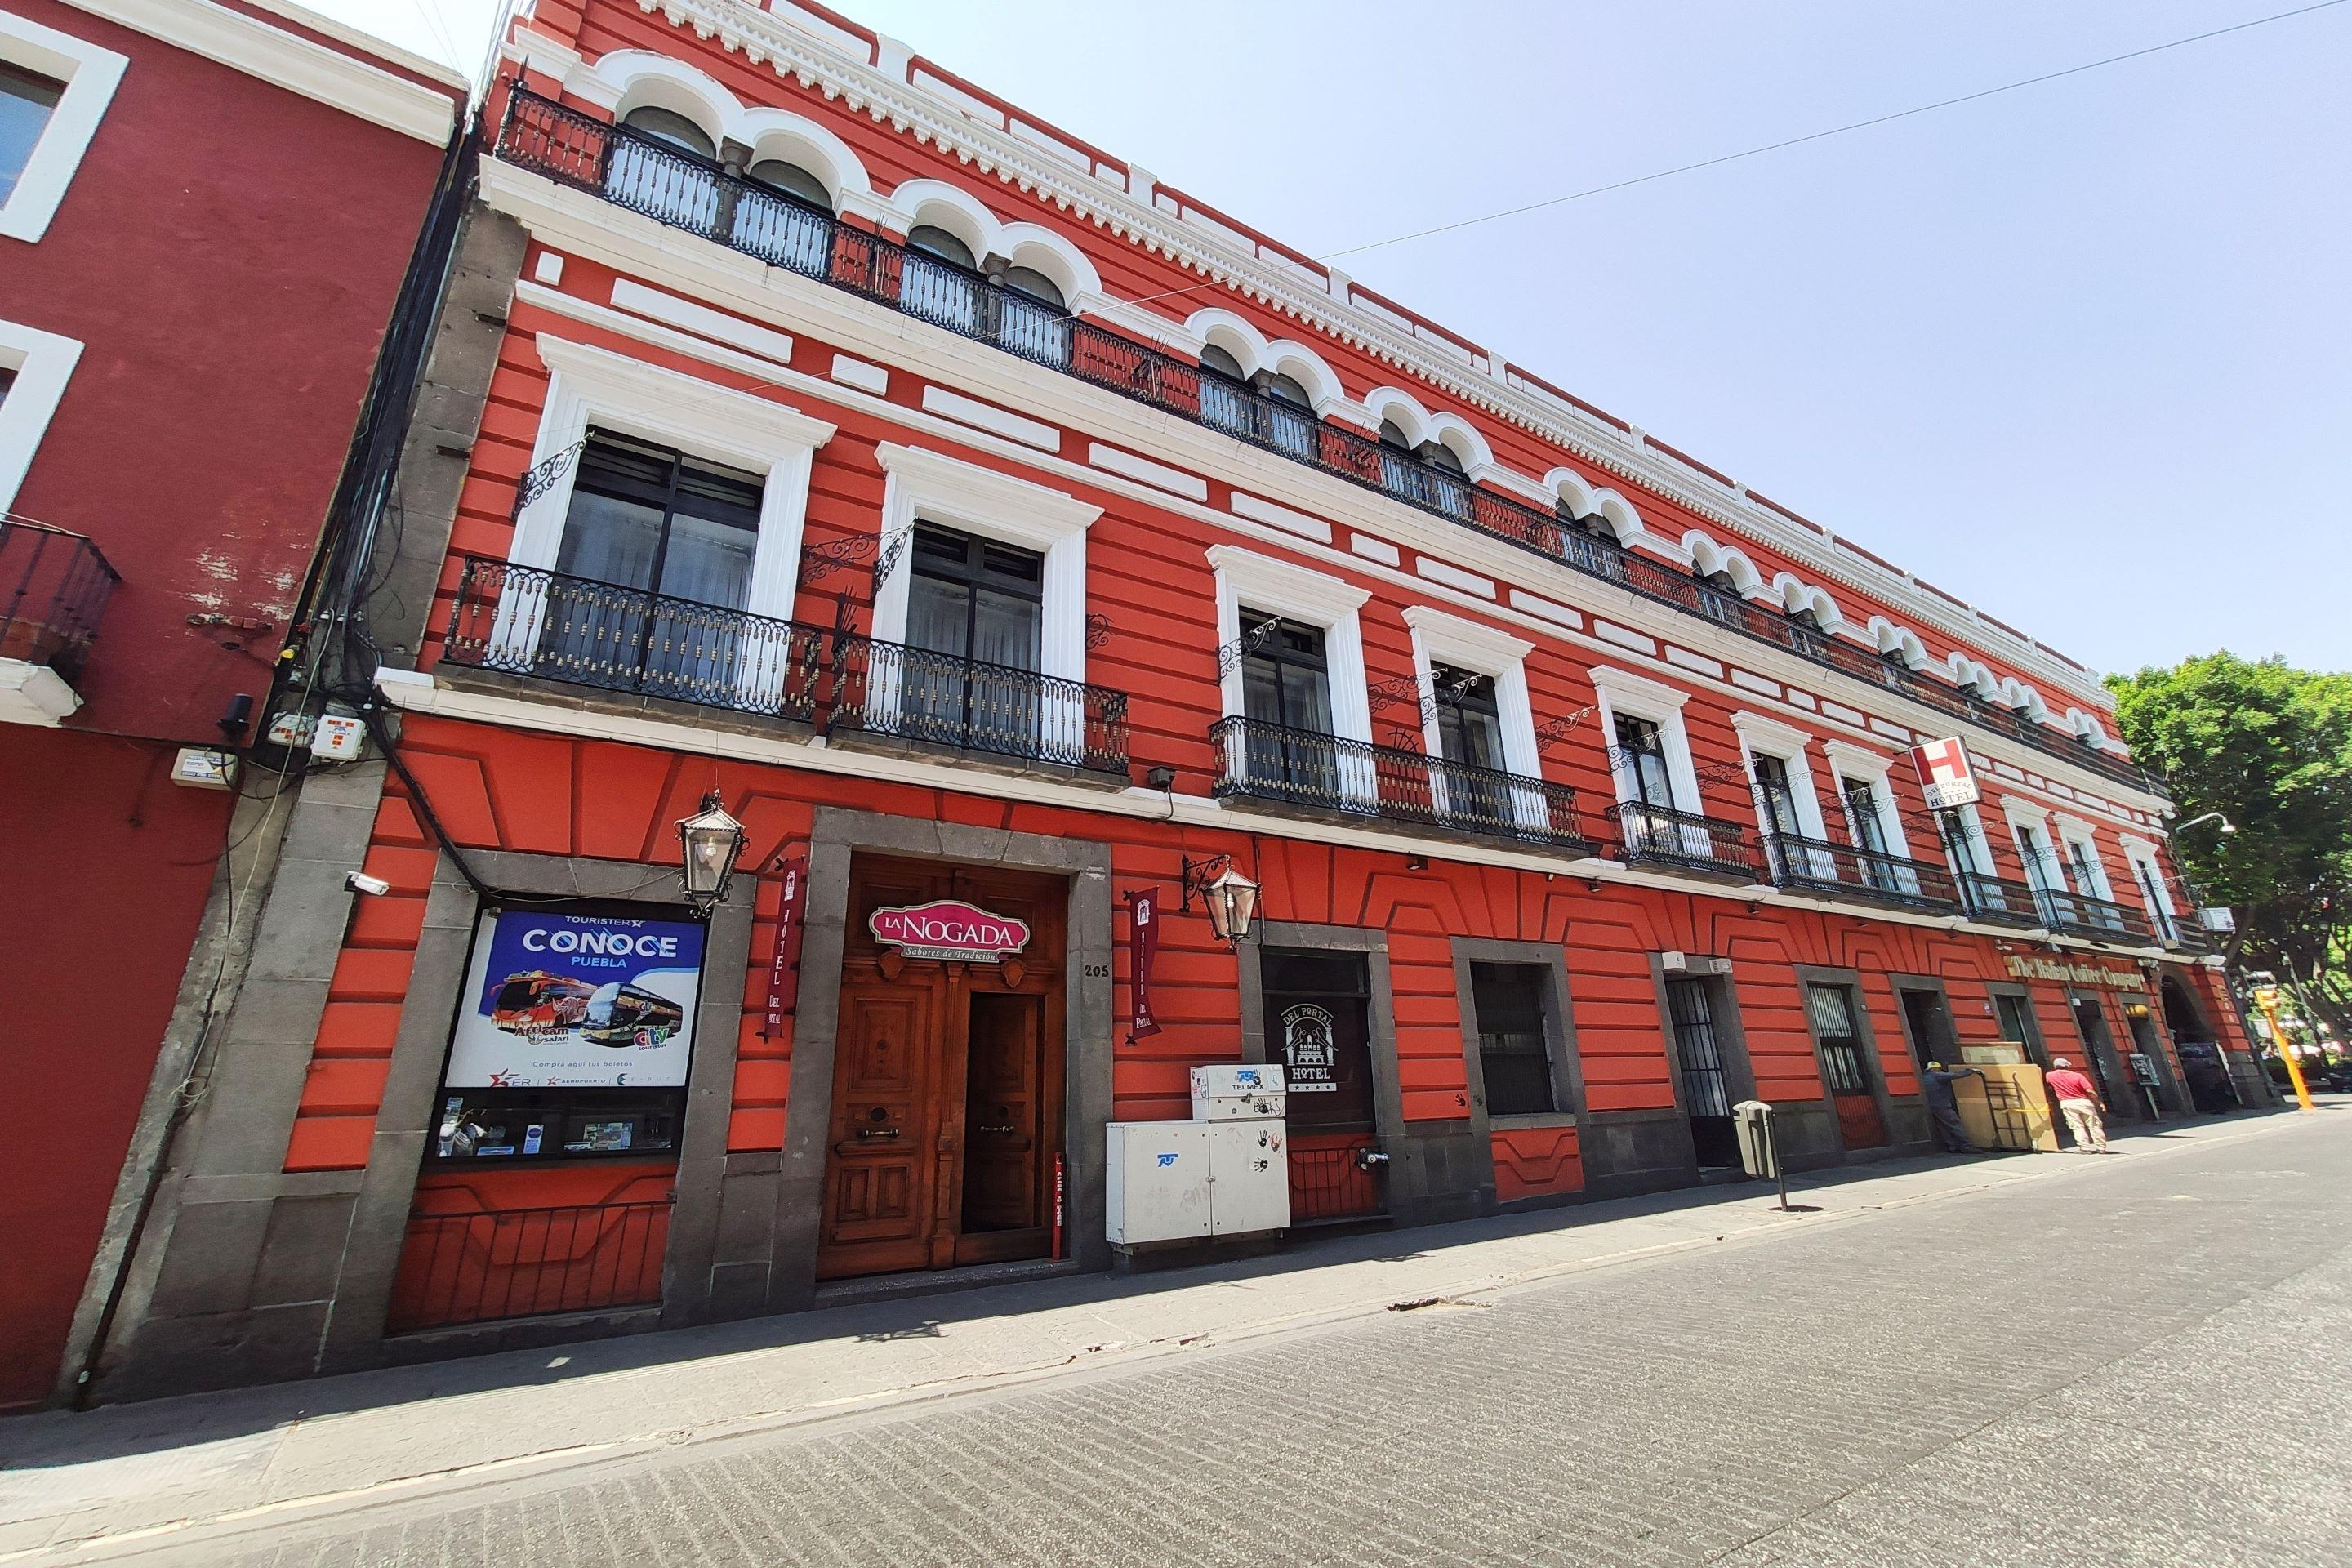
577,1001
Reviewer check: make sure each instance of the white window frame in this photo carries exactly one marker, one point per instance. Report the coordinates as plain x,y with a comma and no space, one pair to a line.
588,385
1763,736
925,486
43,362
1439,638
91,74
1311,598
2074,831
1638,696
1850,764
2154,892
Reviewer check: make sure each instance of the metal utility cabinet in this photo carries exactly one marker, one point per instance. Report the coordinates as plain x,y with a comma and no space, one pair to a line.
1224,1172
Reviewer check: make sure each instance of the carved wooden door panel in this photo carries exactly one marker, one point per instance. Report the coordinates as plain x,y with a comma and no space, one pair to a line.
881,1190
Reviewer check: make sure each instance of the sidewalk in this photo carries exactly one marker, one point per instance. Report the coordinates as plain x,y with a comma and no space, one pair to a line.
128,1470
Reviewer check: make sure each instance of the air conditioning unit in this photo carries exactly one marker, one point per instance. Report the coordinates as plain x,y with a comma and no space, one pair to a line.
1692,963
2218,918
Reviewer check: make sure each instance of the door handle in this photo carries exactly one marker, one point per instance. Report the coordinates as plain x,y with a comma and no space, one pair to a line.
866,1132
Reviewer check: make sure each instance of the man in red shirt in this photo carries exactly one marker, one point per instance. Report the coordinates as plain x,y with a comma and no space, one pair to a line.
2078,1097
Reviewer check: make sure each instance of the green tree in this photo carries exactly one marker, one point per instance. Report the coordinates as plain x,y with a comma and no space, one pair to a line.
2270,747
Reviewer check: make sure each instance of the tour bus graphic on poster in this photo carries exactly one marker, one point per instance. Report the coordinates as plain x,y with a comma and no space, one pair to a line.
578,1001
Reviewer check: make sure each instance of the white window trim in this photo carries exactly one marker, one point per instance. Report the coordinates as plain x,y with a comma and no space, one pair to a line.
90,75
1311,598
2154,890
2073,831
1763,736
1853,763
1638,696
1439,638
2039,872
931,487
44,362
588,385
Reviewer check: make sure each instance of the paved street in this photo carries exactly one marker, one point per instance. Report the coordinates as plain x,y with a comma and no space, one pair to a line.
2138,1359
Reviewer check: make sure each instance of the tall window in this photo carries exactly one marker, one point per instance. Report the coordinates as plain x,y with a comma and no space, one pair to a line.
1287,685
1775,797
1469,722
1719,599
2016,1020
1641,763
1588,546
1863,820
2035,853
1036,319
1509,999
974,630
675,537
1831,1010
1282,418
939,281
2083,861
26,101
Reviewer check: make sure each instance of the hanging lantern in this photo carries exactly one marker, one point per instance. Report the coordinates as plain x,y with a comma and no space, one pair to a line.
1229,898
709,842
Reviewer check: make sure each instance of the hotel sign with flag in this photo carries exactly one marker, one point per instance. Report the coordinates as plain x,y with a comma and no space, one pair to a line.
1945,774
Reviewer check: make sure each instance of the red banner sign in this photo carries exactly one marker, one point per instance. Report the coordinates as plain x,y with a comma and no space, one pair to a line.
948,928
1142,947
784,970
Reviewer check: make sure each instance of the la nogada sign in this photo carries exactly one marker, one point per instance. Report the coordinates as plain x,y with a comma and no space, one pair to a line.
948,928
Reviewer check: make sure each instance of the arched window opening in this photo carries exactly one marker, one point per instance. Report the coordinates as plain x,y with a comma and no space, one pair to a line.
1213,358
1720,598
1587,542
785,218
1036,321
1284,389
666,170
939,281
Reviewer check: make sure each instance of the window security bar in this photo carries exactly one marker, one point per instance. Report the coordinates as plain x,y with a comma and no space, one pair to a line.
681,191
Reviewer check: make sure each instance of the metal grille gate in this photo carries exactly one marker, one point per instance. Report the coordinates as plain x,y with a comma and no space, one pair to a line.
1707,1094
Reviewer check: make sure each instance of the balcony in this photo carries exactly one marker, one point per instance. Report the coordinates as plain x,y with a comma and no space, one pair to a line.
1842,871
1325,775
690,194
1997,900
2094,919
1684,841
53,589
936,702
672,656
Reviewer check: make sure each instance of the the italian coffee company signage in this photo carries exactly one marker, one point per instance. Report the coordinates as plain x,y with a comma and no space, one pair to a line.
1946,776
948,929
2023,966
557,1000
1310,1050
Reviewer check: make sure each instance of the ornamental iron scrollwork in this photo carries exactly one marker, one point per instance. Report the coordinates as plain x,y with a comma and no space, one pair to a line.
1097,631
1552,731
1230,655
542,476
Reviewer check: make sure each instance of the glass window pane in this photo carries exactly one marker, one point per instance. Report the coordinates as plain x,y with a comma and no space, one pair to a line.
794,180
709,562
938,616
676,130
1306,700
607,540
1261,692
26,101
1005,629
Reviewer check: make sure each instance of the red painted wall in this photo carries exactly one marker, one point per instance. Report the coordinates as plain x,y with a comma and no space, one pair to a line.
228,255
105,872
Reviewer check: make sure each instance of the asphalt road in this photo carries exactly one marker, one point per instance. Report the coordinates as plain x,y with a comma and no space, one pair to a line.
2142,1363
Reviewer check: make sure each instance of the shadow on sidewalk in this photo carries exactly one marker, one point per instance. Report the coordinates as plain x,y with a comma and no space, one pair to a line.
47,1440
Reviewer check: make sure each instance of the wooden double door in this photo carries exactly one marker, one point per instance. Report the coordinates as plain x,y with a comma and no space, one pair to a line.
948,1098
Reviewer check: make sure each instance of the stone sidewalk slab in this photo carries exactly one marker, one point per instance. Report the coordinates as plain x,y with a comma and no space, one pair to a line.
72,1479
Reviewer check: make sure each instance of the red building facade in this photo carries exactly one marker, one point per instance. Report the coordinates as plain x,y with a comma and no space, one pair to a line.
181,365
989,526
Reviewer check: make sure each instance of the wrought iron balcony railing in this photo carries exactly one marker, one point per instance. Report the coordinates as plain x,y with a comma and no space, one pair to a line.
551,627
681,191
1259,761
524,621
1683,841
1998,900
2099,919
53,588
963,704
1842,871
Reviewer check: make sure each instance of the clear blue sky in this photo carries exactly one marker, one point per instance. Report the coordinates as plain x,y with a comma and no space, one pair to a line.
2080,353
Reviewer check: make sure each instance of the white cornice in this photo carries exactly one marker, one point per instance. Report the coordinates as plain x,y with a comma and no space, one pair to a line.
583,224
282,58
765,37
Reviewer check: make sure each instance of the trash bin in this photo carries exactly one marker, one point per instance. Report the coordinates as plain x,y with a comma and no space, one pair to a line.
1752,1119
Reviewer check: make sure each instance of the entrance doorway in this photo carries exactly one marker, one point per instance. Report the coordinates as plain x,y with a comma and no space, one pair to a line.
1927,1023
948,1105
1317,1025
1707,1089
2098,1049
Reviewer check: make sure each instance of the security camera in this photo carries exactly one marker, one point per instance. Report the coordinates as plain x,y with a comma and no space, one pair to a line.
360,882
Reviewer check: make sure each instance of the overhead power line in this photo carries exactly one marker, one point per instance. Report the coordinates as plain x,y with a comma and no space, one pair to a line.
1833,130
